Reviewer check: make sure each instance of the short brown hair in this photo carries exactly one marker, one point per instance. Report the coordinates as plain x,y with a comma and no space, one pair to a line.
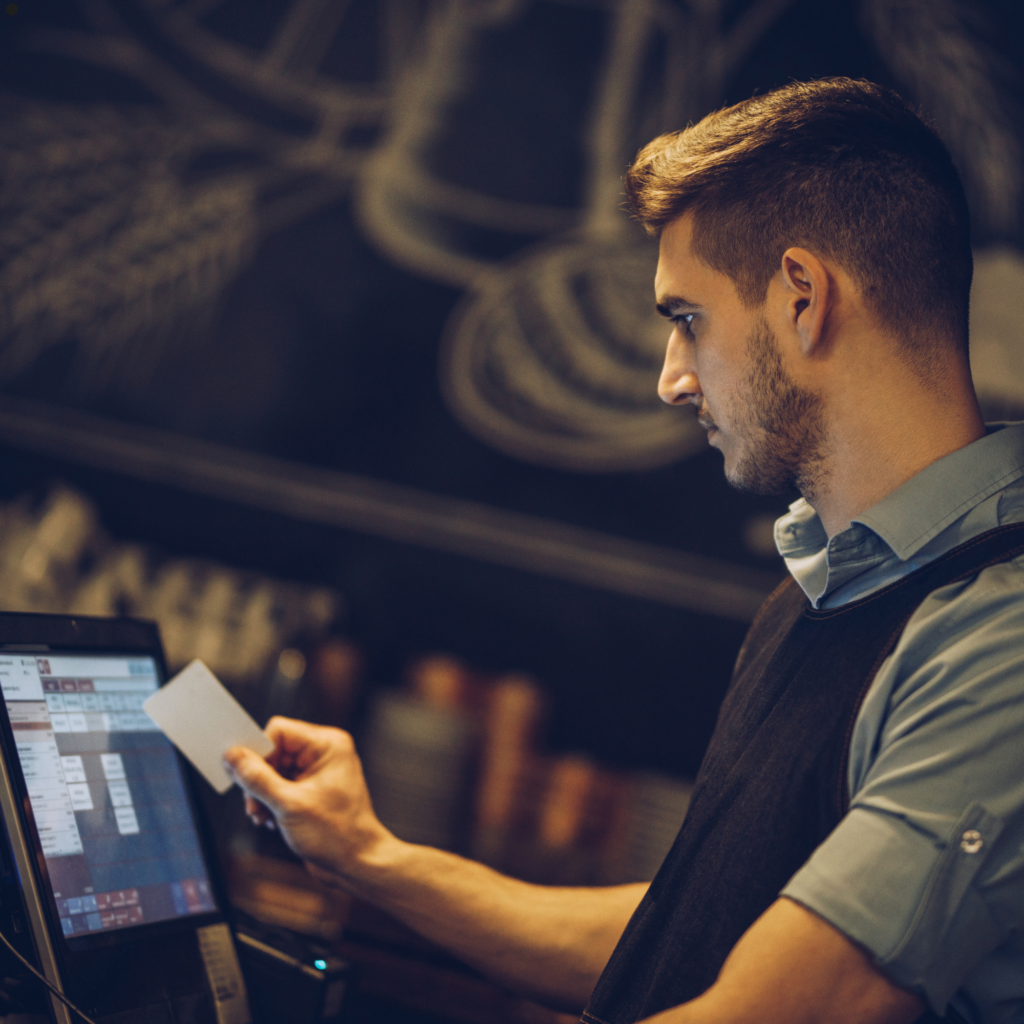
842,167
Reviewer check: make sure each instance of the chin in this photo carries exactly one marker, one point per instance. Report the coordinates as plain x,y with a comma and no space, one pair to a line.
736,480
753,480
740,474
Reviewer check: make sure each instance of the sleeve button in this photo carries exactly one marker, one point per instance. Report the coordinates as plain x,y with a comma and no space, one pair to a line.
971,841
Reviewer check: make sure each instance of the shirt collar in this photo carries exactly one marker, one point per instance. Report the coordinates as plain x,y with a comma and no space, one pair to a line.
925,505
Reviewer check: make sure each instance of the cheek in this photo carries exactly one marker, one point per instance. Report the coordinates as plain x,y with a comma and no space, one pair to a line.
726,393
724,369
716,378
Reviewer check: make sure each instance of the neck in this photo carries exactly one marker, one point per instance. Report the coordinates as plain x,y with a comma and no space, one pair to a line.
874,447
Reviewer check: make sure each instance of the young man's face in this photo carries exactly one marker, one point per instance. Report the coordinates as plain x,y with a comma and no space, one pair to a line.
724,358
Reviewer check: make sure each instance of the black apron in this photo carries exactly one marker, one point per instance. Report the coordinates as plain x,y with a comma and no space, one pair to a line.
773,783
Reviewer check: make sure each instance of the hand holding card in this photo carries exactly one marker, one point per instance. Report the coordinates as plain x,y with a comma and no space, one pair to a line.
203,720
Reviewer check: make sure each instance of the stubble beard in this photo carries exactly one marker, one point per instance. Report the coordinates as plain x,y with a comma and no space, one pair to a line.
786,439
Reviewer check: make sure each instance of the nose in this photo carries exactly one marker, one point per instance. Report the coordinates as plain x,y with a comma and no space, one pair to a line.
678,383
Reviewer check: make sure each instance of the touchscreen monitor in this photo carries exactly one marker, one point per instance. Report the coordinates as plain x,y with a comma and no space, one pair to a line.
106,790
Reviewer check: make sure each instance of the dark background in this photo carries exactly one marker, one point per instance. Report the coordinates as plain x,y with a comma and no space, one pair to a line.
319,344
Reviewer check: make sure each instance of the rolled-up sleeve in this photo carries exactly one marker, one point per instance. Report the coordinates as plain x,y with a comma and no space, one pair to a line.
926,871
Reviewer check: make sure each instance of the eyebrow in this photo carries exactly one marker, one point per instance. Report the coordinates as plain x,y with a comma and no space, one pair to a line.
670,305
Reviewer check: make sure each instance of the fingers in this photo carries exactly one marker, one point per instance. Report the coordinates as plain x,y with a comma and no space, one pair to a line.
258,813
300,746
276,788
293,735
256,777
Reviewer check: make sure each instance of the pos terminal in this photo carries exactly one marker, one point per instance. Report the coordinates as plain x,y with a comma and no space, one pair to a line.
110,886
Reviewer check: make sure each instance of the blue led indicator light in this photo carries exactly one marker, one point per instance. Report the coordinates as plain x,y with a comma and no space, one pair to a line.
320,965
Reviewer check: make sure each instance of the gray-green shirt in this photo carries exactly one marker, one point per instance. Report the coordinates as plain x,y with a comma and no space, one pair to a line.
927,869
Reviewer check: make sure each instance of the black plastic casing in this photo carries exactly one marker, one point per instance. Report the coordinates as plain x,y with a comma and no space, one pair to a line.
148,972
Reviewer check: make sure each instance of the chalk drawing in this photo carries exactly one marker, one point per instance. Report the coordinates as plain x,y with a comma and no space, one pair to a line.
554,357
119,224
108,237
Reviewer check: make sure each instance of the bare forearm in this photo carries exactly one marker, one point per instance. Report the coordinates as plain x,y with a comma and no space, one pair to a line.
551,943
547,942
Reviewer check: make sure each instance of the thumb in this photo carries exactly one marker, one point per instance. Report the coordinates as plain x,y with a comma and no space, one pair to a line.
255,776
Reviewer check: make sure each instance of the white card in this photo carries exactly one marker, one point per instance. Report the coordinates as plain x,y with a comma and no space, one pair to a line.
204,721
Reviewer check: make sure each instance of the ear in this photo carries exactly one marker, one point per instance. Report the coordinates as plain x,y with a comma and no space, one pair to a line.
807,288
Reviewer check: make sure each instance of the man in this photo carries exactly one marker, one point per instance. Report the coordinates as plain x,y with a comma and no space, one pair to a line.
855,847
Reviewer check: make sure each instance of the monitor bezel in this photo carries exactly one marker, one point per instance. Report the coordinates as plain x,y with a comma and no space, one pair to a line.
69,635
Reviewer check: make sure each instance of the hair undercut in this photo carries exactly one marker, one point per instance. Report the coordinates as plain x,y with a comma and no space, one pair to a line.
844,168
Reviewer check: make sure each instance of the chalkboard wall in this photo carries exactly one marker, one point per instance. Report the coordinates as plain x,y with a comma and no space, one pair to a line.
343,292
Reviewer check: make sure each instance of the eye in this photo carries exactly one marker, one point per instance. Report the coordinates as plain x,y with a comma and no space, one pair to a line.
684,322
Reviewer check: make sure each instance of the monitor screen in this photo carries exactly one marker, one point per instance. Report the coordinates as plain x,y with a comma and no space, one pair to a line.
106,790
